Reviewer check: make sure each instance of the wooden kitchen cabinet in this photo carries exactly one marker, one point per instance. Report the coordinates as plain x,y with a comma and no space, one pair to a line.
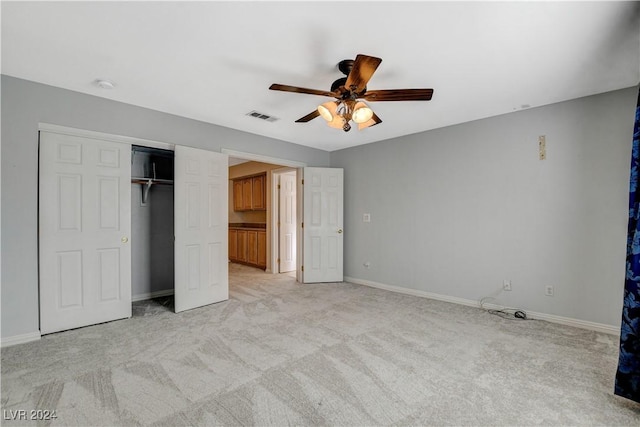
252,247
233,245
246,194
249,193
242,245
237,196
258,187
262,249
248,246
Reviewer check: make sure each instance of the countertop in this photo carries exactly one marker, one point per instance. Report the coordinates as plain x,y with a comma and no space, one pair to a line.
251,225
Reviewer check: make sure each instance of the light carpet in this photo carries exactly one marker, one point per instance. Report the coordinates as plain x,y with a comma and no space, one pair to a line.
281,353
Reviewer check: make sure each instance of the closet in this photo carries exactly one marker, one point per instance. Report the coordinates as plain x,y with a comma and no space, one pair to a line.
120,219
152,262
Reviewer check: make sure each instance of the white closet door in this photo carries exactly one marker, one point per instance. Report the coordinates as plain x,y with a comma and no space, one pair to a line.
201,227
85,224
322,232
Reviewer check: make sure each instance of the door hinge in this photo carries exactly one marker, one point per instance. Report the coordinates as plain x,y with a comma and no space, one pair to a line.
302,268
302,225
303,182
278,260
278,186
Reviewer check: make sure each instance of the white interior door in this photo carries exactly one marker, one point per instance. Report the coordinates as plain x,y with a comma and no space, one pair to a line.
84,228
201,217
287,220
322,230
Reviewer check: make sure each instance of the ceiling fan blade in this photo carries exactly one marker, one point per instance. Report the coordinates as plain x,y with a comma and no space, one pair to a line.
286,88
398,95
374,121
363,68
312,115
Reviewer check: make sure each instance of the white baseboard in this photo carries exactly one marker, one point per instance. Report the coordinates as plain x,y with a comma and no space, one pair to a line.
149,295
593,326
35,336
20,339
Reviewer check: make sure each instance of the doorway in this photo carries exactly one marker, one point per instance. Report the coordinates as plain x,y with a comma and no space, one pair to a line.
319,217
152,222
262,215
241,162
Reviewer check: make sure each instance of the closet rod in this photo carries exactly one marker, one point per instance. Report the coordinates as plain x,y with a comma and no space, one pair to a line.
147,183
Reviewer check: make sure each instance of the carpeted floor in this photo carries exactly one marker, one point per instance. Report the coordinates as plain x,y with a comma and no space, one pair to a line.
281,353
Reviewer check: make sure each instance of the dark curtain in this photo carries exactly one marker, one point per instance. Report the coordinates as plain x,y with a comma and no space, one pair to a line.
628,375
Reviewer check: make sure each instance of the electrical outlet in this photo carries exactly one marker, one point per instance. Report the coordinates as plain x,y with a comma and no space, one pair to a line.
548,290
506,285
366,217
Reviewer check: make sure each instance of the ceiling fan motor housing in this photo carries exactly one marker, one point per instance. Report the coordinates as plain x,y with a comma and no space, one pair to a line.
340,82
346,92
345,66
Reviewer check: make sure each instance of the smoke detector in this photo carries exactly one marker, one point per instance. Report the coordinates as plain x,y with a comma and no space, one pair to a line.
104,84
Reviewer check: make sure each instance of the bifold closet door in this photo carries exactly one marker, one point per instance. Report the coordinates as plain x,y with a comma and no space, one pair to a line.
201,191
85,225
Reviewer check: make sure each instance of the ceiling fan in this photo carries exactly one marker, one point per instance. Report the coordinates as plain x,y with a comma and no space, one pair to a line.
348,90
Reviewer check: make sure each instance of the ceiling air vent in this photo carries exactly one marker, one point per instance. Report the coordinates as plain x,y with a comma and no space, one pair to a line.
259,115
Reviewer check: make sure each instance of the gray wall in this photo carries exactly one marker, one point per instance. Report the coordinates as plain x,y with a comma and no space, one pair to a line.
24,105
161,240
457,210
152,254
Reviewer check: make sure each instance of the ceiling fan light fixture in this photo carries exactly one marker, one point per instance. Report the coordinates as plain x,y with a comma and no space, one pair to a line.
361,113
338,122
328,110
366,124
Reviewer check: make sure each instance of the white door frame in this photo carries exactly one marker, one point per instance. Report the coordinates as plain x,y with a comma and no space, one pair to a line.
64,130
286,163
262,158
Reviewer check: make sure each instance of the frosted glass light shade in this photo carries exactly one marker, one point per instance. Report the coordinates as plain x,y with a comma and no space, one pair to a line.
361,113
328,110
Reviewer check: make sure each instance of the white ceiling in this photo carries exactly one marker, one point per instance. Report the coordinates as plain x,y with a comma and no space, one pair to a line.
214,61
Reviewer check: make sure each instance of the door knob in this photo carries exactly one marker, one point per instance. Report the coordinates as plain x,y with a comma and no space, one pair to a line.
340,231
124,240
